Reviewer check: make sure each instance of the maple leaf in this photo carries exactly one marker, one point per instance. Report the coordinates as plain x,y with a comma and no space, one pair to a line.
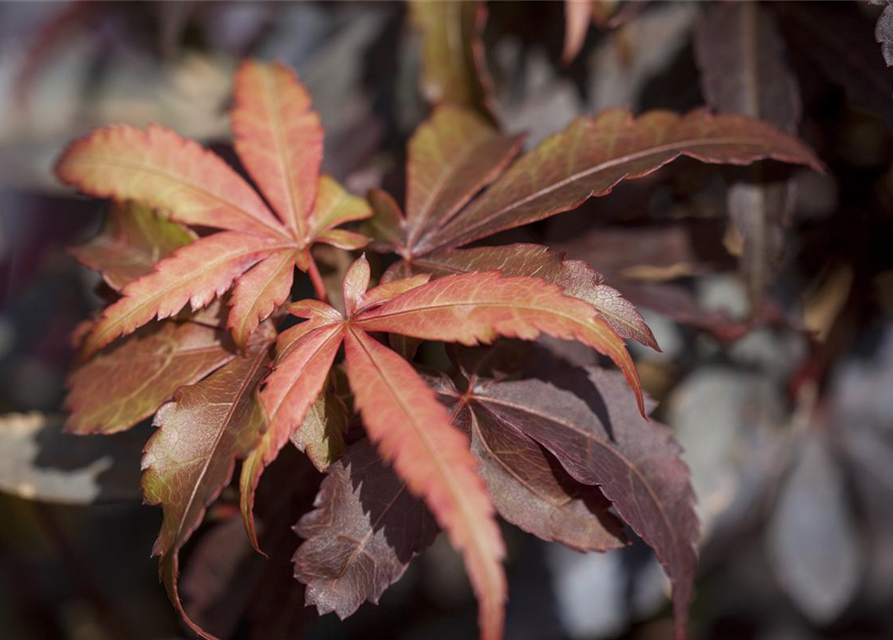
588,159
583,417
364,514
401,414
190,458
279,142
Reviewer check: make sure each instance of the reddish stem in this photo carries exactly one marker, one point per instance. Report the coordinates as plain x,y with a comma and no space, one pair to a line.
318,284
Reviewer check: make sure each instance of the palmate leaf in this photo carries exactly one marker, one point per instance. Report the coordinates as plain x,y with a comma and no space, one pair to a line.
279,140
401,414
528,486
593,155
587,159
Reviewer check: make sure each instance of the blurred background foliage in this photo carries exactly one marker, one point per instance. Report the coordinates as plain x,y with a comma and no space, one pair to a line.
776,367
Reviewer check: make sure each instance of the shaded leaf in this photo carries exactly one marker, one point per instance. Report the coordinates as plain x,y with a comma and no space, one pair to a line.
479,307
454,68
592,155
528,486
321,437
837,36
743,70
584,418
362,534
414,433
38,461
129,381
133,239
191,457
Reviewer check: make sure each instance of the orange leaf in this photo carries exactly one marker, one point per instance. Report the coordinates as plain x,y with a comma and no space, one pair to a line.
414,432
479,307
259,292
290,390
193,275
278,139
158,168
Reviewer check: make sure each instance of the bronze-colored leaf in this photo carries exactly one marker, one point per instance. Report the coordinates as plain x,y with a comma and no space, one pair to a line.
133,239
585,418
365,529
454,69
130,380
593,155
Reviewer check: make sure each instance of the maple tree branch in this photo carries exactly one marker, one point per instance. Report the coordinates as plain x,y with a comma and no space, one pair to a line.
318,284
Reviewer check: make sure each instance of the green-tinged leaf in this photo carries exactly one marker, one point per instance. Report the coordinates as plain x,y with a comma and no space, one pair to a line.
321,437
133,239
454,68
191,457
127,382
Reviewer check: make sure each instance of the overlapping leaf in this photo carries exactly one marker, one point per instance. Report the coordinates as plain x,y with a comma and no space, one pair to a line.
592,155
132,241
529,487
279,140
400,412
365,529
191,457
743,70
585,419
129,381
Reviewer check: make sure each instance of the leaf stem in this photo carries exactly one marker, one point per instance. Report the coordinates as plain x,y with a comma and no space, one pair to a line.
318,284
